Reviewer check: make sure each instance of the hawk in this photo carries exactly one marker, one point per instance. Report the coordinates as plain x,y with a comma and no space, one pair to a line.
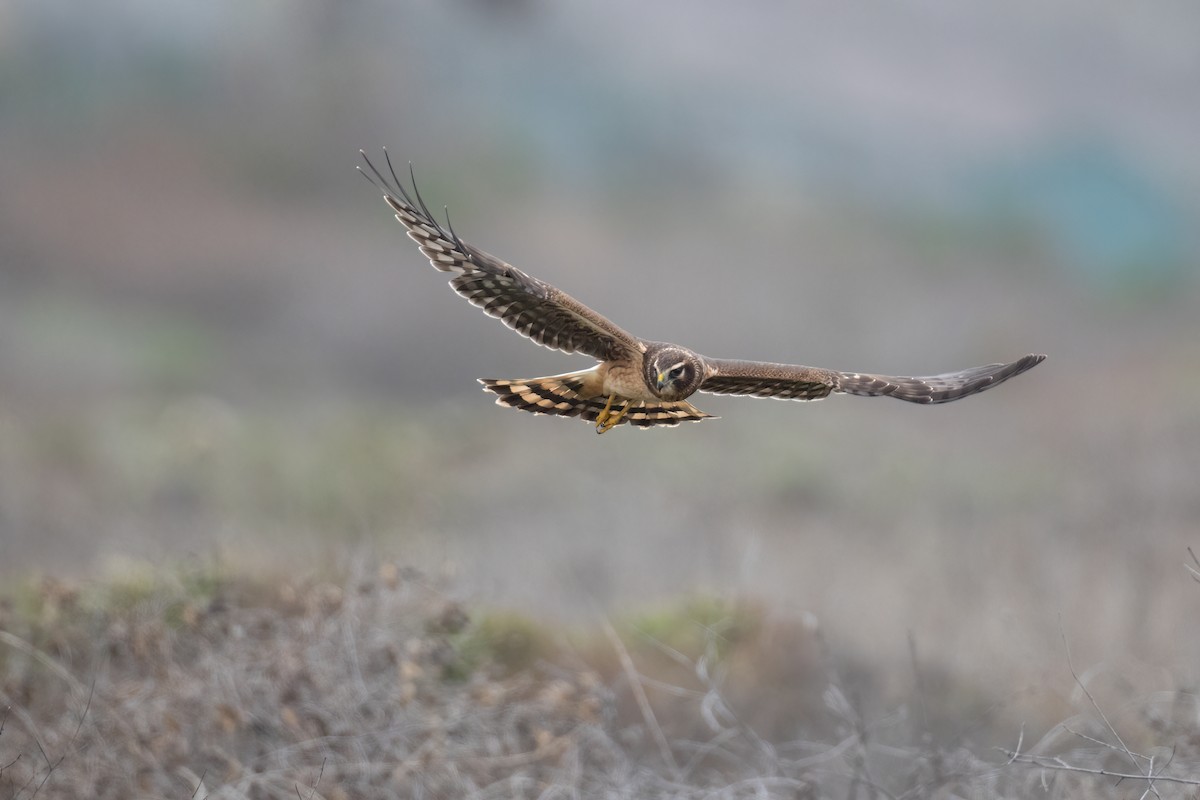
639,382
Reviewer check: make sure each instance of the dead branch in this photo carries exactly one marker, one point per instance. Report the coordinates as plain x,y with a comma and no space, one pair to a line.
1056,764
1149,776
639,694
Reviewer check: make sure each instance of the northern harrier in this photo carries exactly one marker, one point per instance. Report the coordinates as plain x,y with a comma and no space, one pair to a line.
637,381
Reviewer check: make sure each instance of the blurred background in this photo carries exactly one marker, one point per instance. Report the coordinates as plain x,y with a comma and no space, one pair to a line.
215,340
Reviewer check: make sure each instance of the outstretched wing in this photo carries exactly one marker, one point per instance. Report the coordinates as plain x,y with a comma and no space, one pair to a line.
529,306
792,382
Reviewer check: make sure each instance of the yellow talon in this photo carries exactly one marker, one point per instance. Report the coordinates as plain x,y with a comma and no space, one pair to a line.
607,419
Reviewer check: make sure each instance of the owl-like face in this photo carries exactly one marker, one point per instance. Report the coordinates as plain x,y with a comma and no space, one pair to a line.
672,372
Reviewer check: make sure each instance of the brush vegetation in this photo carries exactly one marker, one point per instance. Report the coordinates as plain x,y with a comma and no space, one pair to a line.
195,681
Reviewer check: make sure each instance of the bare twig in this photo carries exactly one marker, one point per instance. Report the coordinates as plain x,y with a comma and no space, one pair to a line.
199,782
50,767
313,790
1149,776
1101,742
639,693
3,721
19,644
86,709
1041,762
1017,752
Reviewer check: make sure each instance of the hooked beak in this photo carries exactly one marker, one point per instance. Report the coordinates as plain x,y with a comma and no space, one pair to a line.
661,380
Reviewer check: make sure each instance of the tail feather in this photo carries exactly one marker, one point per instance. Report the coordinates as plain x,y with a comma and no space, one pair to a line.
559,395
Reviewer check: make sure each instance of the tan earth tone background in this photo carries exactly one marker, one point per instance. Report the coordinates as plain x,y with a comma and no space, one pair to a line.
219,352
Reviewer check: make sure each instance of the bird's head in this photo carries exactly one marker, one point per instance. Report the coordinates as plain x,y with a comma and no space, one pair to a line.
672,372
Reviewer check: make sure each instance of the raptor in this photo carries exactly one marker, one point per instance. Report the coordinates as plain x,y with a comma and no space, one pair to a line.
636,381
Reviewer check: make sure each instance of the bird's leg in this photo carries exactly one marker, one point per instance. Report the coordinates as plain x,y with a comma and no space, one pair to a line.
602,417
608,419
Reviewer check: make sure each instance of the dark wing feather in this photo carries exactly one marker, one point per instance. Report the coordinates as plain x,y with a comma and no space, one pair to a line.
763,379
531,307
936,388
791,382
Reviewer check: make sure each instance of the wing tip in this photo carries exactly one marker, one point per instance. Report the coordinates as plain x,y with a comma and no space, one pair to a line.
1024,363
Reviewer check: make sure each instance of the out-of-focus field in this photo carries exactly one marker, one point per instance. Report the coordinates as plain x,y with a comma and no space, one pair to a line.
231,389
165,683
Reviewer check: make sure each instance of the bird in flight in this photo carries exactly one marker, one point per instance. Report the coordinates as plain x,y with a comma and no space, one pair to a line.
639,382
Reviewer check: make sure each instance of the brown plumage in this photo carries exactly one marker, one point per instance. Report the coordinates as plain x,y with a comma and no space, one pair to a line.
638,382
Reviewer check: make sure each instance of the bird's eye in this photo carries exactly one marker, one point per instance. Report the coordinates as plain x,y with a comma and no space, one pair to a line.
676,373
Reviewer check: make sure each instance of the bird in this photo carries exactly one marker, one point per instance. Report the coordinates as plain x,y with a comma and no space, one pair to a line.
640,382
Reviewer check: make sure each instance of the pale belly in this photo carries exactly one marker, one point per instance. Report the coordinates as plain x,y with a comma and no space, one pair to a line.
626,381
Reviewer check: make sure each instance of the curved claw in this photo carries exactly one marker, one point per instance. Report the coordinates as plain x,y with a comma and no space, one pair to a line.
608,419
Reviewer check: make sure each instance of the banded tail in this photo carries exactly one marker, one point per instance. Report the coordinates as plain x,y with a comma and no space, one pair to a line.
559,395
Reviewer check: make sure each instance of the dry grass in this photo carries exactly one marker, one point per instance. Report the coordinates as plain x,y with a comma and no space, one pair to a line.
193,683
